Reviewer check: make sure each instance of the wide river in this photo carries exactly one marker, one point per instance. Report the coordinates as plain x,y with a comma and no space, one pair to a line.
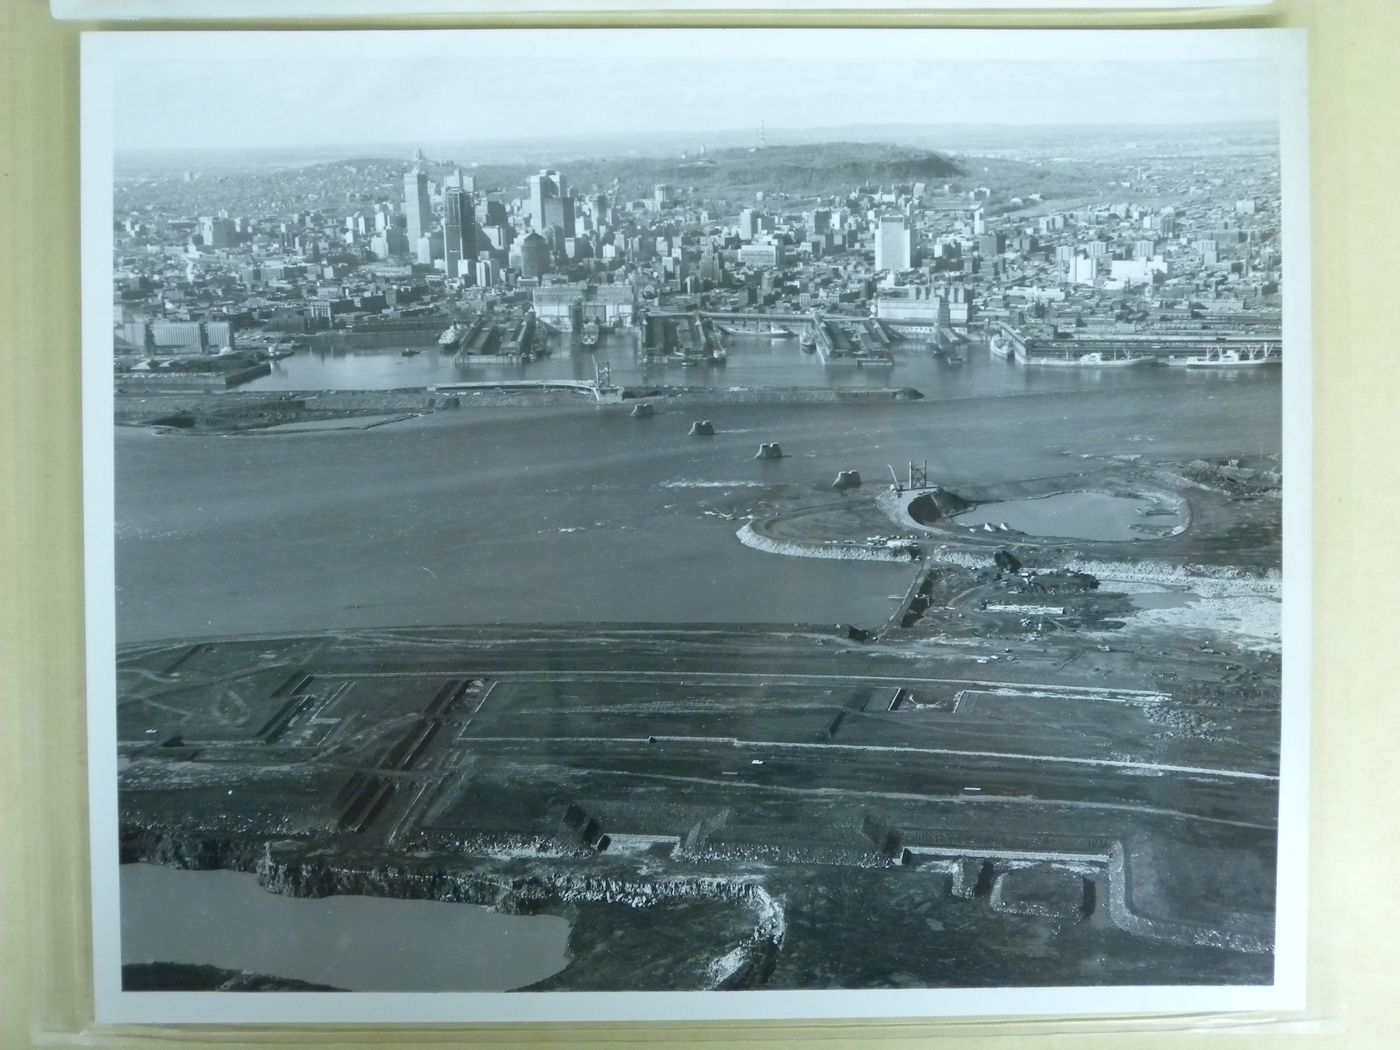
579,512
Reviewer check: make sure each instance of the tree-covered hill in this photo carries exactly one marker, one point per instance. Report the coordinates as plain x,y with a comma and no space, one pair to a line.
736,174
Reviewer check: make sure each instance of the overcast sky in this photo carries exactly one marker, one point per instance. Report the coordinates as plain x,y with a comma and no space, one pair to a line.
315,89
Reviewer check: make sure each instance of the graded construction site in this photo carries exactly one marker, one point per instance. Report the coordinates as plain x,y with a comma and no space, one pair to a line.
1054,763
977,795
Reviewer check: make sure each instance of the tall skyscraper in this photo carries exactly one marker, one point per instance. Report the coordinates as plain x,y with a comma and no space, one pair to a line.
893,245
546,186
460,180
559,211
217,232
416,205
534,256
459,233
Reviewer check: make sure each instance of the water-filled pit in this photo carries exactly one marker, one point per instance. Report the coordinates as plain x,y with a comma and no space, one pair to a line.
1070,515
371,944
1162,599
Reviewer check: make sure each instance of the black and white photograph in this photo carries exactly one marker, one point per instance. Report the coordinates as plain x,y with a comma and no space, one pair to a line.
695,523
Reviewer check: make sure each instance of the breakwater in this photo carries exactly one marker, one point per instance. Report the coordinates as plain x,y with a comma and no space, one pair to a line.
245,410
774,395
202,408
840,550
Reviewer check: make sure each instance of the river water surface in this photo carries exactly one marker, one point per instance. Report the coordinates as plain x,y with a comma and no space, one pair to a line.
579,512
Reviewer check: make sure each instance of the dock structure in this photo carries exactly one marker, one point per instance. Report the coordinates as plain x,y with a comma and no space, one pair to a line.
488,340
745,320
840,340
851,342
686,337
1160,347
481,337
945,338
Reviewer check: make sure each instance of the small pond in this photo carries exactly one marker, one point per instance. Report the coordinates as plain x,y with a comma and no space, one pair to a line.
362,944
1163,599
1069,515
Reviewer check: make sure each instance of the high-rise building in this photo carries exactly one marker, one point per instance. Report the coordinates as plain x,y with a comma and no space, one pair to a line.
534,256
602,213
499,237
893,245
770,255
711,269
416,204
558,211
430,247
459,233
748,224
491,213
547,185
217,232
460,181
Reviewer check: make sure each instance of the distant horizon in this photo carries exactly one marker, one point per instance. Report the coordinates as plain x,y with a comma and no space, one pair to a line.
722,138
662,145
315,90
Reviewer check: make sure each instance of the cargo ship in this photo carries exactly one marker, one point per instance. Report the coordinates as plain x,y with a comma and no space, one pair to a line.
757,330
1246,357
1093,359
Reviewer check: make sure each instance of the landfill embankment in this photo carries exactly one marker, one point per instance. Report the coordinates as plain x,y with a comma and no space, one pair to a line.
253,410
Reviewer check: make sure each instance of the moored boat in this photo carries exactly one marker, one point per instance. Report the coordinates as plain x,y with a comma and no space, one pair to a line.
1093,359
451,337
761,330
1229,357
